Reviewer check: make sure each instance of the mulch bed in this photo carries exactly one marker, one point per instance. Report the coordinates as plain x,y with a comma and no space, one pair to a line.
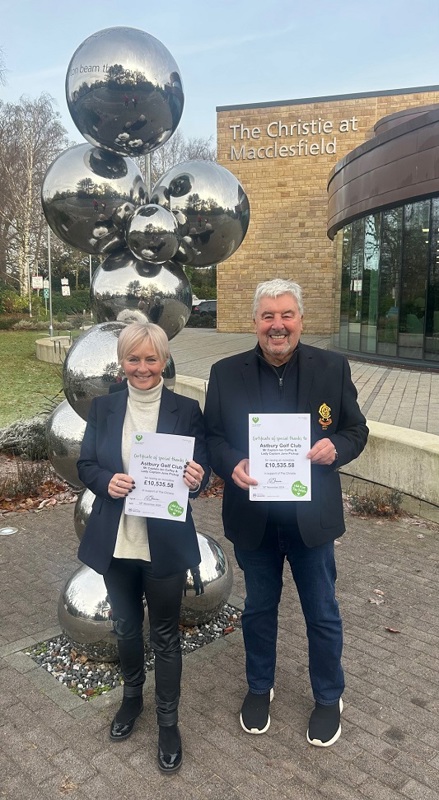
53,490
46,493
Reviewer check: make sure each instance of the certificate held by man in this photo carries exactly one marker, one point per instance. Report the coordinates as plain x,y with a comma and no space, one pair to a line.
157,462
278,444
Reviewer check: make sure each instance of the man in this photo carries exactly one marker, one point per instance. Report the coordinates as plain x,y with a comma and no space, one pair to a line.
282,375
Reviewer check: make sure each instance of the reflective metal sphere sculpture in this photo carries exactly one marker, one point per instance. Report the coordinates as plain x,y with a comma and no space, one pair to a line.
82,511
169,374
88,195
91,365
124,91
125,95
152,234
211,209
84,614
65,431
128,290
208,587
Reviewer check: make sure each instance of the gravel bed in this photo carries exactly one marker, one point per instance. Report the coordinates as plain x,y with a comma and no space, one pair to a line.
87,678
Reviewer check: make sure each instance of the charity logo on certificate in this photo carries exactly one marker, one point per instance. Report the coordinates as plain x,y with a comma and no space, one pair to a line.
278,444
157,463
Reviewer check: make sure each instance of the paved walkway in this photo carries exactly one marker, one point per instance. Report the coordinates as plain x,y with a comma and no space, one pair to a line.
403,397
55,745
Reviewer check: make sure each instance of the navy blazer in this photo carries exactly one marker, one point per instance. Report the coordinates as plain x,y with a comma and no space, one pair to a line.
234,392
173,545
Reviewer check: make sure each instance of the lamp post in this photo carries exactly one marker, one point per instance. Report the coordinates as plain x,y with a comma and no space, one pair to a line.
29,280
147,171
49,275
90,264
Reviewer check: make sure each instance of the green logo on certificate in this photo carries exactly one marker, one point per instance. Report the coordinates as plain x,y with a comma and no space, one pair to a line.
299,489
255,419
175,509
139,437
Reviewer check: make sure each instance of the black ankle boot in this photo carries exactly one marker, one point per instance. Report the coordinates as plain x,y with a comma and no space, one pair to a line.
123,723
170,753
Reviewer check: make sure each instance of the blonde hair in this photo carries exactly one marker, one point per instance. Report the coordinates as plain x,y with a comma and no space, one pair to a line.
137,333
275,288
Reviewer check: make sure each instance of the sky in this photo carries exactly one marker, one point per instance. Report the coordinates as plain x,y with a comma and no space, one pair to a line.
231,52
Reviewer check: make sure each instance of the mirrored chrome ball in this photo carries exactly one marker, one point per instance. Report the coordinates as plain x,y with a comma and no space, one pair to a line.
88,195
84,614
91,365
65,432
208,587
211,208
128,290
124,91
82,511
169,374
152,234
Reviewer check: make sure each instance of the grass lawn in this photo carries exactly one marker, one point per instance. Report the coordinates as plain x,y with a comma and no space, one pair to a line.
27,386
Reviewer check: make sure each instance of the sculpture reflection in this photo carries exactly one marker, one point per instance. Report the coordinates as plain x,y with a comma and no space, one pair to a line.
124,91
126,289
91,365
64,432
152,234
210,207
88,197
208,586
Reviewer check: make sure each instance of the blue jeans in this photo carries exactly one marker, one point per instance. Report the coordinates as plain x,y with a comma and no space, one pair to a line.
314,573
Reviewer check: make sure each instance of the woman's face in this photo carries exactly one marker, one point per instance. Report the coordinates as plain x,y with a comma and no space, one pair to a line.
143,367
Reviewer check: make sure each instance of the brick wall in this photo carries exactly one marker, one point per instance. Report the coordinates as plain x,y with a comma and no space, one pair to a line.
288,201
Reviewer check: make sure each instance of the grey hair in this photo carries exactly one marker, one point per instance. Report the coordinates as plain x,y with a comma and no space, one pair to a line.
136,333
275,288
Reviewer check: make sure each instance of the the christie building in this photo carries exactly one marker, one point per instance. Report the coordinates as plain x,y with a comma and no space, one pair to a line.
344,198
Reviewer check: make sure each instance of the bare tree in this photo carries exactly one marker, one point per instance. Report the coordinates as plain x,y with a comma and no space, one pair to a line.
177,150
31,136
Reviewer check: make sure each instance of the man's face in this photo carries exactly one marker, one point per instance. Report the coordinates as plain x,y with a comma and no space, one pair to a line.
278,325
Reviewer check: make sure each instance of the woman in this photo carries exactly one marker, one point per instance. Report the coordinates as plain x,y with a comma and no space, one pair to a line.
140,556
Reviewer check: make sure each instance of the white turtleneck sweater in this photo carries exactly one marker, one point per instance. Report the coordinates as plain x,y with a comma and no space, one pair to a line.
141,415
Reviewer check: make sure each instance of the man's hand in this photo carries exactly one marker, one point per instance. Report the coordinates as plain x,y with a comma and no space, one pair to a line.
241,477
323,452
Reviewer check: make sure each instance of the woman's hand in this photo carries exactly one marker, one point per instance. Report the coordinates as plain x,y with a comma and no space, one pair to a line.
120,485
193,475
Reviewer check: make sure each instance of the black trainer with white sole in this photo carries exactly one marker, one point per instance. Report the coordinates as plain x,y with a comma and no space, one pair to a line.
324,724
255,716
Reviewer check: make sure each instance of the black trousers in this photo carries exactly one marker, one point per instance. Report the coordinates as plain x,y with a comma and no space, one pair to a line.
128,581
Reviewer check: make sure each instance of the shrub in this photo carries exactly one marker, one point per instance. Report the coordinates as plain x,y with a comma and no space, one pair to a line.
26,324
201,321
74,304
25,438
77,321
28,477
11,302
8,322
376,503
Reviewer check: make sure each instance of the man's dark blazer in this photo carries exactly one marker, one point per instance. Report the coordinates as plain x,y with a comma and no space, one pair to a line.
173,545
234,391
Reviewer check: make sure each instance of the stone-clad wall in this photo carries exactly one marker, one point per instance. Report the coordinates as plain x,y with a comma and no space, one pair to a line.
285,175
401,459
